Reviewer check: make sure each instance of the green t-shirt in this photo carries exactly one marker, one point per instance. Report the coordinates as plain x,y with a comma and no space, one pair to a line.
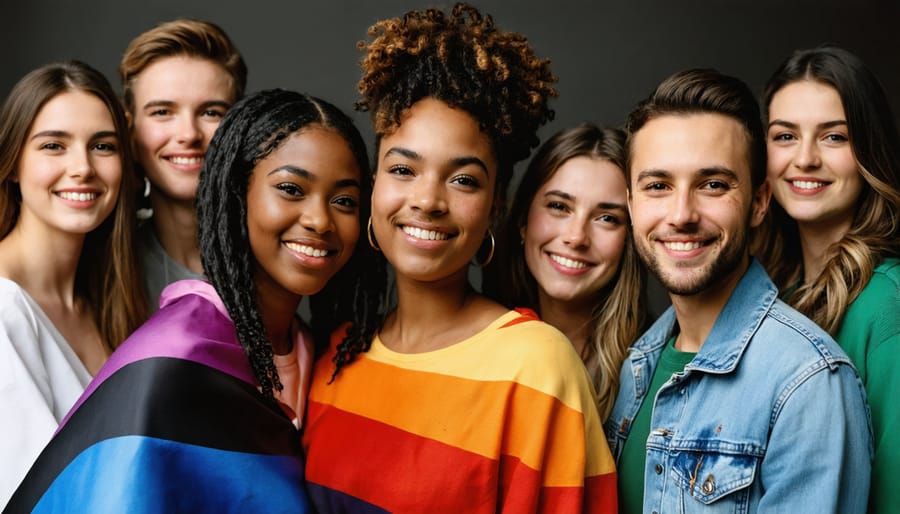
870,334
634,452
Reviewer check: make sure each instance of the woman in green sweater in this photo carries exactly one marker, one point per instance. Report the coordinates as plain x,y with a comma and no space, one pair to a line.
832,239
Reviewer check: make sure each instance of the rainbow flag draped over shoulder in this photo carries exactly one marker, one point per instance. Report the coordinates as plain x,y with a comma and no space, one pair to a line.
173,423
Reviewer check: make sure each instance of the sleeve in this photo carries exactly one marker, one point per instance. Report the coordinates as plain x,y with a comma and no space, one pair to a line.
883,389
556,457
26,408
820,449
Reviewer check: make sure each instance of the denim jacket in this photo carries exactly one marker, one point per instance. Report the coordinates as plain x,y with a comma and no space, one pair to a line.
769,416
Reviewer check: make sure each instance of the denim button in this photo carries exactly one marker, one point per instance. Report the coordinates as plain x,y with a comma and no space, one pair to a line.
658,469
709,486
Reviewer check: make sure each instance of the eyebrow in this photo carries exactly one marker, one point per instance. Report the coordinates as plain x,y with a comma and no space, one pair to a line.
600,205
63,134
311,177
459,162
823,125
703,172
168,103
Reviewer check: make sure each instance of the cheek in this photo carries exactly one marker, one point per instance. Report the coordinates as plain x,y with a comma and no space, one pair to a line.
149,136
610,245
208,129
776,161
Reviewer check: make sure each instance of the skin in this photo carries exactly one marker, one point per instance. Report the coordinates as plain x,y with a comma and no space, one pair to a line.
178,104
69,173
302,222
811,166
431,207
692,204
574,240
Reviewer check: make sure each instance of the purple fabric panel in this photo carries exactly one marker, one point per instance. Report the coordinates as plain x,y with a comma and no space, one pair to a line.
185,327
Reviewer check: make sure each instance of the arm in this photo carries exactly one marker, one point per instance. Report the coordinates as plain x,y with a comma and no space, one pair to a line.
819,453
883,389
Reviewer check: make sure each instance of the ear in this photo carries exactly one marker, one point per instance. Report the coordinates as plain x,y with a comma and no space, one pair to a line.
760,205
129,119
628,206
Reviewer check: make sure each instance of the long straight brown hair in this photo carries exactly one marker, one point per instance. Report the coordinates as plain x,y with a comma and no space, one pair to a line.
106,280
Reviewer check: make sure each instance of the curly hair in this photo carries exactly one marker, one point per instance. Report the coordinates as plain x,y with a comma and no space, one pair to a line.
875,229
465,61
251,130
106,277
620,314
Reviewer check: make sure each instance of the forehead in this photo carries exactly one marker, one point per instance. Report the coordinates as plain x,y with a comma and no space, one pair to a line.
436,131
182,75
685,144
806,101
590,179
72,111
319,150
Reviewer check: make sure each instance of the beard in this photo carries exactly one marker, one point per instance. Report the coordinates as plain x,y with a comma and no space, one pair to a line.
703,277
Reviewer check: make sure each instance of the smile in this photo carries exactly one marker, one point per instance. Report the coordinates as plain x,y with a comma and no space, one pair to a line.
427,235
186,161
806,184
77,197
306,250
568,263
682,246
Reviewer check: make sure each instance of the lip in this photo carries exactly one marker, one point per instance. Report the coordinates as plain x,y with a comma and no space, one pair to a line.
807,185
312,254
190,162
566,267
79,197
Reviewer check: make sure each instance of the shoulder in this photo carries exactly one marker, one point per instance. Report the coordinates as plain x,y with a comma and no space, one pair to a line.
872,317
785,335
17,309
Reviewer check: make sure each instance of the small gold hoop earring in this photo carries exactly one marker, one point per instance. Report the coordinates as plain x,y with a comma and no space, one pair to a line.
491,254
371,235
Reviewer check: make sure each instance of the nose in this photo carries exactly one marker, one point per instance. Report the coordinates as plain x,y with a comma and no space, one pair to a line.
807,156
684,210
575,234
316,216
188,131
428,196
80,164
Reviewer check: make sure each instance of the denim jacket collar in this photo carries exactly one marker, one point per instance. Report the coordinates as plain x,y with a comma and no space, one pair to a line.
733,329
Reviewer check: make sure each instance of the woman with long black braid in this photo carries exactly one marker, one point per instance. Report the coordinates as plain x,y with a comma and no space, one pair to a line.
199,409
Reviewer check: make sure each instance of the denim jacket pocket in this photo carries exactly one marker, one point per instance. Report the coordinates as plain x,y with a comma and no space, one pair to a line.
717,478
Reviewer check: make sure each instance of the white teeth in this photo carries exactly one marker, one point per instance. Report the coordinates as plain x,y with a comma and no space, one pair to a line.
307,250
186,160
77,197
682,247
428,235
805,184
569,263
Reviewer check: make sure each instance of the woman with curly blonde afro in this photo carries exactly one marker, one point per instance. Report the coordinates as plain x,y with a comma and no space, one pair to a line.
449,402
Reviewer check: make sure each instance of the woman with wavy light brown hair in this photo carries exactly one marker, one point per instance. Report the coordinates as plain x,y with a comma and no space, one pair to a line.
452,402
832,240
569,252
69,294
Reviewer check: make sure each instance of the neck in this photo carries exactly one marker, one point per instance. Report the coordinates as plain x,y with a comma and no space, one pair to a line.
42,261
428,313
175,226
277,310
815,239
698,313
573,320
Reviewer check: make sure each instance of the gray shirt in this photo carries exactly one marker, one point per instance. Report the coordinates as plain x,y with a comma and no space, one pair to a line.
160,270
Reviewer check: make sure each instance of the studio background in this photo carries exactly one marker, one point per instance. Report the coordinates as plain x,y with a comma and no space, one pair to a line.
607,54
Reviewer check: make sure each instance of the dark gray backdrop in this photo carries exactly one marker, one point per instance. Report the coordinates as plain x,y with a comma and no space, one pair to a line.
607,54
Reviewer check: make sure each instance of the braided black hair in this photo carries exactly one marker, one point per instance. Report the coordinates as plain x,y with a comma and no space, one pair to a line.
251,130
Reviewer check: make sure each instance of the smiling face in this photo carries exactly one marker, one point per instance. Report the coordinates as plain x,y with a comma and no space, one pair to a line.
70,169
576,229
303,213
178,104
433,192
691,200
811,165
